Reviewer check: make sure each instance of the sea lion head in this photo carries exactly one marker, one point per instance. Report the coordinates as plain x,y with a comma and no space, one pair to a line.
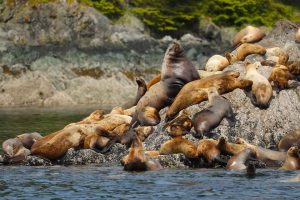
240,141
140,81
293,151
179,126
175,49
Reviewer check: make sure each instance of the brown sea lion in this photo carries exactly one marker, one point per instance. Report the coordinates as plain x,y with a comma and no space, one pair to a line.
228,148
176,71
28,139
142,89
153,81
179,126
152,154
292,161
179,145
144,131
14,151
209,118
261,87
276,55
193,93
237,162
137,160
208,149
216,63
249,34
297,36
289,140
294,67
280,76
269,157
243,51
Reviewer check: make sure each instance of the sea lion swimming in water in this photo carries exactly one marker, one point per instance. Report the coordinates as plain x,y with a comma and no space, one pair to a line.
292,161
289,140
250,34
194,93
209,118
237,162
142,89
14,151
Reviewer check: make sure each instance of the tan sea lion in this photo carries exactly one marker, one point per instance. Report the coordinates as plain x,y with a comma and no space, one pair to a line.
280,76
142,89
209,118
94,117
137,160
14,151
28,139
294,67
292,161
193,93
153,81
204,74
270,157
208,149
216,63
228,148
297,36
243,51
276,55
176,71
152,154
179,145
237,162
249,34
121,111
261,87
179,126
289,140
144,131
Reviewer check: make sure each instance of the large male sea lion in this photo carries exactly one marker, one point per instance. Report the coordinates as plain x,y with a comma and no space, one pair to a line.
289,140
237,162
261,87
142,89
194,93
243,51
14,151
209,118
292,161
250,34
216,63
28,139
137,160
280,76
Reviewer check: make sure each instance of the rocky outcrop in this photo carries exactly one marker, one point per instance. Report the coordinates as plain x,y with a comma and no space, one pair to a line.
78,54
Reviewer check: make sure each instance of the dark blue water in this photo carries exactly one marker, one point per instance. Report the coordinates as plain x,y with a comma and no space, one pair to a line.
93,182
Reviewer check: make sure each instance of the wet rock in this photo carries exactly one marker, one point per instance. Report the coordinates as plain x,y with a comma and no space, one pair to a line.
36,161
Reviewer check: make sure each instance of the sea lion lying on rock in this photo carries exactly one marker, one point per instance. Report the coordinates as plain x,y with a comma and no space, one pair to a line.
216,63
194,93
208,149
294,67
237,162
292,161
269,157
276,55
261,88
28,139
209,118
280,76
204,74
243,51
137,160
228,148
289,140
249,34
14,151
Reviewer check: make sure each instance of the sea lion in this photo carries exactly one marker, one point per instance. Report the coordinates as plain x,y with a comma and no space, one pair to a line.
142,89
193,93
144,131
209,118
243,51
269,157
28,139
216,63
289,140
249,34
94,117
122,111
292,161
280,76
176,71
152,154
153,81
294,67
228,148
208,149
14,151
179,126
179,145
204,74
237,162
261,87
297,36
137,160
276,55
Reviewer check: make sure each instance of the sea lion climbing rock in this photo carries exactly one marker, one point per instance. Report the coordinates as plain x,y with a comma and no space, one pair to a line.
261,88
209,118
243,51
194,92
250,34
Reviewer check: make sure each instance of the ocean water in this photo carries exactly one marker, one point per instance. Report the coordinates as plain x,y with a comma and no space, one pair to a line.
95,182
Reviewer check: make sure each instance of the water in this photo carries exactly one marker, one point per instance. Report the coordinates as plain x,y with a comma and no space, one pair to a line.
94,182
